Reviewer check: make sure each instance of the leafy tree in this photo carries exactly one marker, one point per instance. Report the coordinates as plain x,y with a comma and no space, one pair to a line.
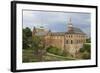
54,50
88,40
38,45
27,34
86,51
86,47
86,55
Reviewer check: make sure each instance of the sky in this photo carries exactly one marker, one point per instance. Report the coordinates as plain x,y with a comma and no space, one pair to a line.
56,21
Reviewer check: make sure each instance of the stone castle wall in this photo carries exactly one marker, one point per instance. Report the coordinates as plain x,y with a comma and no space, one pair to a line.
70,43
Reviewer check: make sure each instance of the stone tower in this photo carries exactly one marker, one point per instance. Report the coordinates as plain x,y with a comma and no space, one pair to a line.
33,31
70,26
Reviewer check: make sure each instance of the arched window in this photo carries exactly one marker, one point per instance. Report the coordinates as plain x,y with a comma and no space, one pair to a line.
71,42
71,36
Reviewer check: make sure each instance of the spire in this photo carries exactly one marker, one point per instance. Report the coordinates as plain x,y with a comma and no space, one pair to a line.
70,26
70,20
49,30
33,31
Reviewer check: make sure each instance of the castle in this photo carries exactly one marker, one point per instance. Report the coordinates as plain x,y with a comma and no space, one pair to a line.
70,41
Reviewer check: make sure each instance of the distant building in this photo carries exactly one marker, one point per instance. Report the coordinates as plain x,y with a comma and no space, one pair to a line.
70,41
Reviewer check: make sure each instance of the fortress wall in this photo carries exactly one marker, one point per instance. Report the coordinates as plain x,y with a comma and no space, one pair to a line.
58,42
73,48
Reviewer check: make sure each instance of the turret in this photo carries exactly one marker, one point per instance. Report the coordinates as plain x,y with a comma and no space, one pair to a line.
33,31
70,26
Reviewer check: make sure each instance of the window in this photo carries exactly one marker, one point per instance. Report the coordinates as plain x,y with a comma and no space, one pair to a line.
71,42
71,36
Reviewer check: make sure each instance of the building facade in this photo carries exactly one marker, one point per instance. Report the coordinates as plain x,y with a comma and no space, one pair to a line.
70,41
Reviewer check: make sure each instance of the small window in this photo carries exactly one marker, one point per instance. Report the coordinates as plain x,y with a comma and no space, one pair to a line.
71,36
71,42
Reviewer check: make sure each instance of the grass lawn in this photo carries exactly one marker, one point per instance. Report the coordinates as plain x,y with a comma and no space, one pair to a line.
53,57
29,57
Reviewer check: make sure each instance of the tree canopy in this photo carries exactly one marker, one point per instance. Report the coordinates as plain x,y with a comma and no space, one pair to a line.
27,34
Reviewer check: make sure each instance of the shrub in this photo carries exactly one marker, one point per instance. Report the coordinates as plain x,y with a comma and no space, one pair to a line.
88,40
86,47
54,50
86,51
86,55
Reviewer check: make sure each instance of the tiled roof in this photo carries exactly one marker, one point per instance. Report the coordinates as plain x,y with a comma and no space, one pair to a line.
57,33
41,33
74,31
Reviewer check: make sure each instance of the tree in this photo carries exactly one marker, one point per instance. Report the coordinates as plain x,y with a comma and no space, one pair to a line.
88,40
86,55
27,32
54,50
86,51
27,36
38,45
86,47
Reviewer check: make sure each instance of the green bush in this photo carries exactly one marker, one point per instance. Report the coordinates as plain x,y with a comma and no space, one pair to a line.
86,51
86,47
54,50
88,40
27,34
86,55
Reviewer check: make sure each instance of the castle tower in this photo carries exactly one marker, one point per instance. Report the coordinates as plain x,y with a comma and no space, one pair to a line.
70,26
33,31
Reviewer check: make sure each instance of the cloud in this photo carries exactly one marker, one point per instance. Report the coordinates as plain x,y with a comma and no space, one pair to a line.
56,21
